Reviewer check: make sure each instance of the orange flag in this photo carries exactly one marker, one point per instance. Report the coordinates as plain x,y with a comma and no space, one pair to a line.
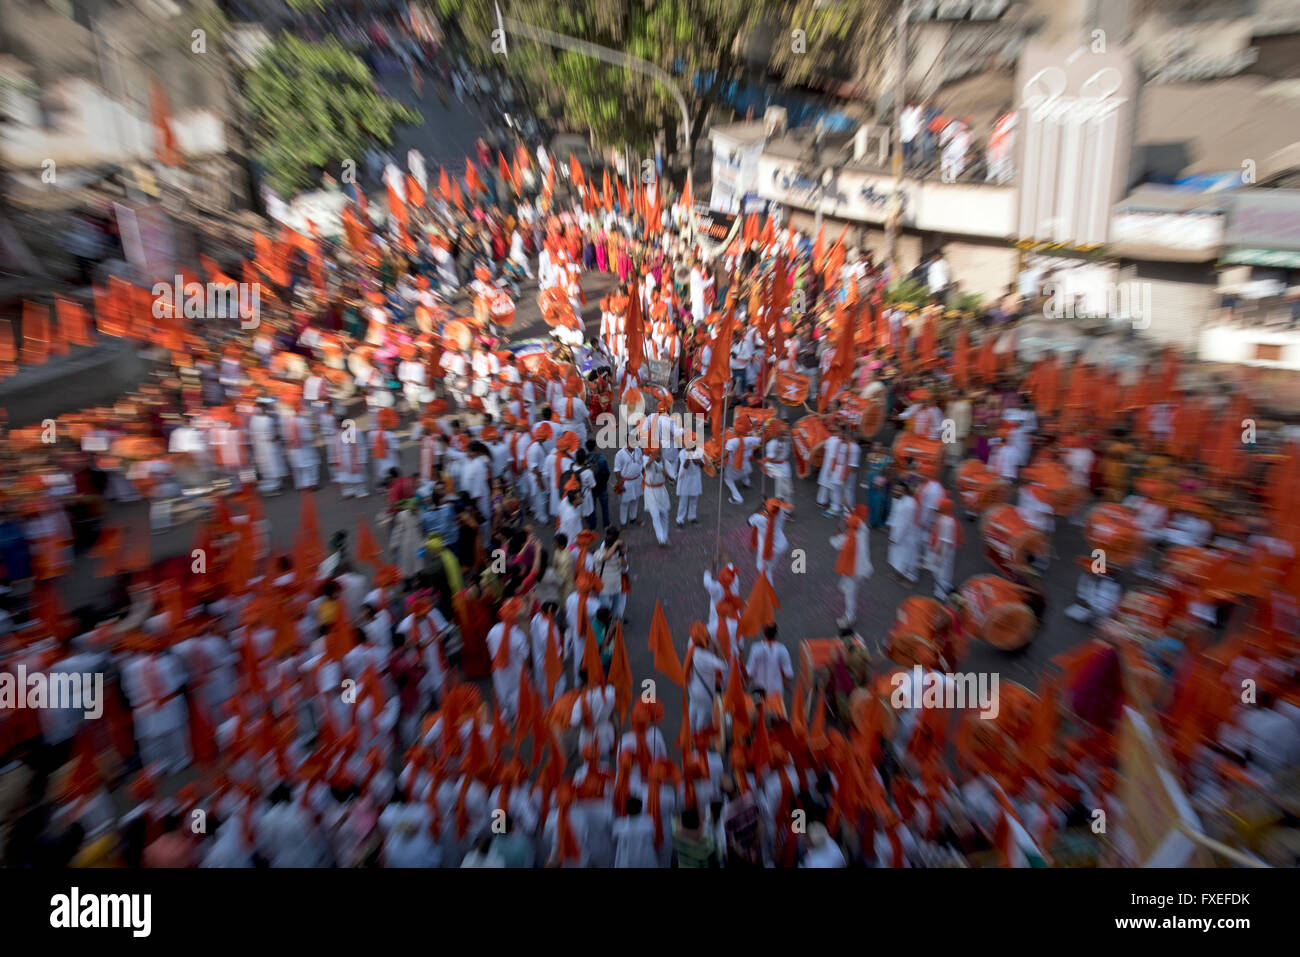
309,549
554,663
396,206
960,371
845,357
591,659
472,183
622,195
413,191
759,611
503,168
456,196
74,322
36,333
661,647
620,673
607,192
635,333
444,184
368,549
575,172
8,355
735,699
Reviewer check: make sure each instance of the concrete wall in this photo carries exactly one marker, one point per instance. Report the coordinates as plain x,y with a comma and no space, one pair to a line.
1183,297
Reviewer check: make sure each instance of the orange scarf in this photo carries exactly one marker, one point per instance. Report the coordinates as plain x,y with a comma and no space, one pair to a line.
847,563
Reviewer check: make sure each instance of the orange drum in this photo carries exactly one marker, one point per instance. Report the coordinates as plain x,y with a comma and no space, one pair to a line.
979,486
1194,566
816,658
920,614
1009,540
864,416
698,398
503,309
1114,529
807,438
995,610
654,394
908,445
750,421
712,457
1062,494
915,635
995,742
460,332
1147,611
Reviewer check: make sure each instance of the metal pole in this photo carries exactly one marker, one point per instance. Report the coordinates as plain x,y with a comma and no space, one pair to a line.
722,472
628,62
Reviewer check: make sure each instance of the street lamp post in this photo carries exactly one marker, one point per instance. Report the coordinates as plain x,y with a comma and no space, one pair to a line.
618,58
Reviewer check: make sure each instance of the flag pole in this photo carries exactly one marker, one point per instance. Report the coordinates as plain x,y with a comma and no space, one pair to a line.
722,474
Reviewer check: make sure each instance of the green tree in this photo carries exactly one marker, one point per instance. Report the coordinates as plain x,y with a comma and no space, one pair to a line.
313,105
704,44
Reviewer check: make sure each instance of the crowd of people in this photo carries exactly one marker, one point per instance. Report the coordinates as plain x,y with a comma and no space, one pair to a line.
447,683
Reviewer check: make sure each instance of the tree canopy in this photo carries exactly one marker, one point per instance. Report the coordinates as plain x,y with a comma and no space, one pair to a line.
704,44
313,105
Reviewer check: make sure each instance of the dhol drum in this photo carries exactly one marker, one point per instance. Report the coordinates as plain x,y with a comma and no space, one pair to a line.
1113,528
698,397
807,440
915,637
979,486
1061,492
502,309
1010,542
460,331
864,416
817,657
925,451
994,609
750,421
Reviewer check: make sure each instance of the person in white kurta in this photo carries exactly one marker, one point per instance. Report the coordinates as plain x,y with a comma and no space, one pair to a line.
299,441
904,535
690,483
657,503
509,665
705,672
941,549
266,451
769,664
153,682
628,464
853,562
840,458
736,464
768,550
348,457
776,463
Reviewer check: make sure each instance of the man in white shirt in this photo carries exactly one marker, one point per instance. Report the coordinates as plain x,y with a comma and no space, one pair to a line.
769,664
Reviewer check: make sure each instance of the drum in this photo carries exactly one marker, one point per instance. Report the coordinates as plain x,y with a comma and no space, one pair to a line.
698,397
979,486
995,611
655,394
1061,493
817,656
712,457
807,438
1010,541
750,421
1114,529
460,332
503,309
1147,612
908,445
863,416
1194,566
918,615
